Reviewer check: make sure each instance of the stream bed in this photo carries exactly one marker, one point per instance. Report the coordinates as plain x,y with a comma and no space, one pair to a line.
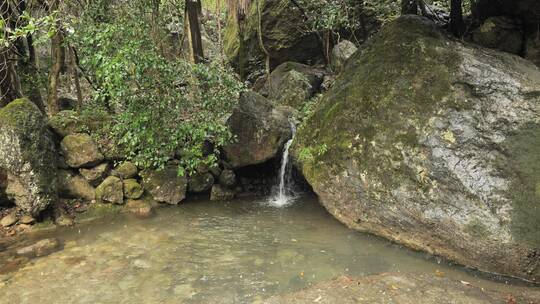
208,252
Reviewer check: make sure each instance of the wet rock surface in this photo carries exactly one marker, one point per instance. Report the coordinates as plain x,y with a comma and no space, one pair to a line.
261,130
340,53
111,191
441,155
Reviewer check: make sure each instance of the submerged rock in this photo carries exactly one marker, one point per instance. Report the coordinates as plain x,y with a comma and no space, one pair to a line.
110,191
434,144
40,249
28,155
165,186
80,150
261,131
221,193
140,208
227,178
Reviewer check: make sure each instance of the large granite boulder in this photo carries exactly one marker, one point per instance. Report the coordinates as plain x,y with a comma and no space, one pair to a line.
292,84
260,128
165,186
80,150
434,144
271,28
27,154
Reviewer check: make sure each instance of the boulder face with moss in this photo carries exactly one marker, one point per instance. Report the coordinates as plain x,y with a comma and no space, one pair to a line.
271,28
433,144
27,154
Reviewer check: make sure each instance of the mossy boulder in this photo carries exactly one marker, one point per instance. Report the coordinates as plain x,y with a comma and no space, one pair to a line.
260,128
227,178
110,191
273,29
292,84
132,189
126,170
80,150
28,155
434,144
200,182
165,186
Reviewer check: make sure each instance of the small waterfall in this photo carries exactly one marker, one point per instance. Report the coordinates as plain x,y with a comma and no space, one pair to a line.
282,198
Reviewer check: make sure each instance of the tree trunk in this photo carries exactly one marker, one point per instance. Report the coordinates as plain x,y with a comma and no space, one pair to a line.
8,86
457,25
194,37
58,58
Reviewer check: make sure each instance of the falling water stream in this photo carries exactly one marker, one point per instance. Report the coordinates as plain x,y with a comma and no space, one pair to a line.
283,197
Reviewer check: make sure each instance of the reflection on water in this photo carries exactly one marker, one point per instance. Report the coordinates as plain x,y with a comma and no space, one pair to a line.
208,252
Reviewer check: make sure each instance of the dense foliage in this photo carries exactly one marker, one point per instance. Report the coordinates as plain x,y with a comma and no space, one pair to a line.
162,107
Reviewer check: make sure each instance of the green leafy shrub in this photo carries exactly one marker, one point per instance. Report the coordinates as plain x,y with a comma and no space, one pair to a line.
162,108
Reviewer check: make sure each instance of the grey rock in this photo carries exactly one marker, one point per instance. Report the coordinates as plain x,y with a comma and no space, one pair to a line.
110,191
165,186
340,53
9,220
448,165
80,150
28,155
292,84
201,182
227,178
221,193
260,128
27,220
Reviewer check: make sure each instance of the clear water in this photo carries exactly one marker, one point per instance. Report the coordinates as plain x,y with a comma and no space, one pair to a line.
208,252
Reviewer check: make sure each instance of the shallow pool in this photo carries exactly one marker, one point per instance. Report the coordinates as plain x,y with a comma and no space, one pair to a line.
209,252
